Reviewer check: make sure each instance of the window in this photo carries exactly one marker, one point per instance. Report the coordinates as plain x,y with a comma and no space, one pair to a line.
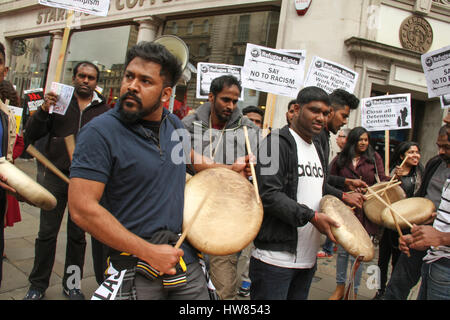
205,26
190,27
243,28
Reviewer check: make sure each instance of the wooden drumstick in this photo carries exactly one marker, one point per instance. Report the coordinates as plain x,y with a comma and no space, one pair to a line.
70,145
42,159
389,206
393,177
384,189
252,167
188,227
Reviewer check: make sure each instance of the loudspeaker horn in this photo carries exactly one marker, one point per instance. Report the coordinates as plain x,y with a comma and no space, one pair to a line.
176,46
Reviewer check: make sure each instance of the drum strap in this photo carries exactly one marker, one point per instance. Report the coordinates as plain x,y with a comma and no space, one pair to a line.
350,292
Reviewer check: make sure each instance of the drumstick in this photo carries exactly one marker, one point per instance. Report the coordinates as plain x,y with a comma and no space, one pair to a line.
401,165
70,145
42,159
384,189
396,223
389,206
252,168
188,227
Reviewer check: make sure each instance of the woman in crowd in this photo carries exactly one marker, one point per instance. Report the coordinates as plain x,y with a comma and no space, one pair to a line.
358,160
410,174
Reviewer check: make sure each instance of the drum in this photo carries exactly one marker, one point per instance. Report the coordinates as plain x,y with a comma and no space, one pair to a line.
27,187
373,207
415,210
351,234
230,217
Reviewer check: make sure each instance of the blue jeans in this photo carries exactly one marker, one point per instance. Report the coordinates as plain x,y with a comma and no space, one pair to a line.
270,282
435,280
328,246
342,265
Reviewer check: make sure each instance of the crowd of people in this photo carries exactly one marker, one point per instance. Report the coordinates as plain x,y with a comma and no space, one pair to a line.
127,192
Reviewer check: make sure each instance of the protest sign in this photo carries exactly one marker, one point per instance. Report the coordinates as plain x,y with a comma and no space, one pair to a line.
445,101
329,76
436,65
64,93
273,71
392,112
94,7
207,72
34,98
18,115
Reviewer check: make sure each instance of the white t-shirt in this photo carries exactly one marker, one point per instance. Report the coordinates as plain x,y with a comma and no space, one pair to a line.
309,193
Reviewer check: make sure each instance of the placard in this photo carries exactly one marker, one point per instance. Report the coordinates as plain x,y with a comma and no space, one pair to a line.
65,94
207,72
445,101
330,76
436,65
95,7
18,112
392,112
34,98
273,71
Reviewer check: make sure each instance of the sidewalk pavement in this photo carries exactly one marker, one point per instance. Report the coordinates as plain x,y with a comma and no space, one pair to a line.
19,250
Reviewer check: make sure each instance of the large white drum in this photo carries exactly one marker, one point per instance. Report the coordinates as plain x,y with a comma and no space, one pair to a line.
351,234
230,217
26,186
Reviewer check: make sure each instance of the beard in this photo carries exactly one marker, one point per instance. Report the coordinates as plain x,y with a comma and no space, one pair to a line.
84,92
132,117
222,118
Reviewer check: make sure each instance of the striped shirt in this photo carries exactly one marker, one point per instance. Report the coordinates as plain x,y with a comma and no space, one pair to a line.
441,223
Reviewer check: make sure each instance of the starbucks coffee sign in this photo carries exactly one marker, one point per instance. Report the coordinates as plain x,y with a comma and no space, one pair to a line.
416,34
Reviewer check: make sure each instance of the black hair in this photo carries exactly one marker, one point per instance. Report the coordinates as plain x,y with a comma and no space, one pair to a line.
340,98
79,64
291,103
2,51
400,150
221,82
157,53
309,94
349,152
253,109
7,92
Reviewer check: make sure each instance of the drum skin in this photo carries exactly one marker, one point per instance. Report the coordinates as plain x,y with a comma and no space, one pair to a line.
27,187
373,207
230,217
351,234
416,210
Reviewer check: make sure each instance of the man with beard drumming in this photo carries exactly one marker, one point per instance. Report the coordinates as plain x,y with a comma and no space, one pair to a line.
127,188
86,104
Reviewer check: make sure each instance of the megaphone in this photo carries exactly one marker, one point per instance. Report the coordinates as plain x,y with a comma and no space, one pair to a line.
175,46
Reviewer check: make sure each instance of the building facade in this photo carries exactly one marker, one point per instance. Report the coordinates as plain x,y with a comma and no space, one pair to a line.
382,40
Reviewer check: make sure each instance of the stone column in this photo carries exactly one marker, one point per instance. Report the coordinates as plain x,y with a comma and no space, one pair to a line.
54,56
148,28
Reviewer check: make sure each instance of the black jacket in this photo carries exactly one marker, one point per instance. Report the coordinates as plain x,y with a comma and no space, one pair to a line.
58,126
430,169
335,184
278,191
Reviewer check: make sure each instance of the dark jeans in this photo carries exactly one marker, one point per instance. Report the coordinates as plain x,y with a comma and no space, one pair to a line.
195,288
435,280
45,245
275,283
405,275
388,248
